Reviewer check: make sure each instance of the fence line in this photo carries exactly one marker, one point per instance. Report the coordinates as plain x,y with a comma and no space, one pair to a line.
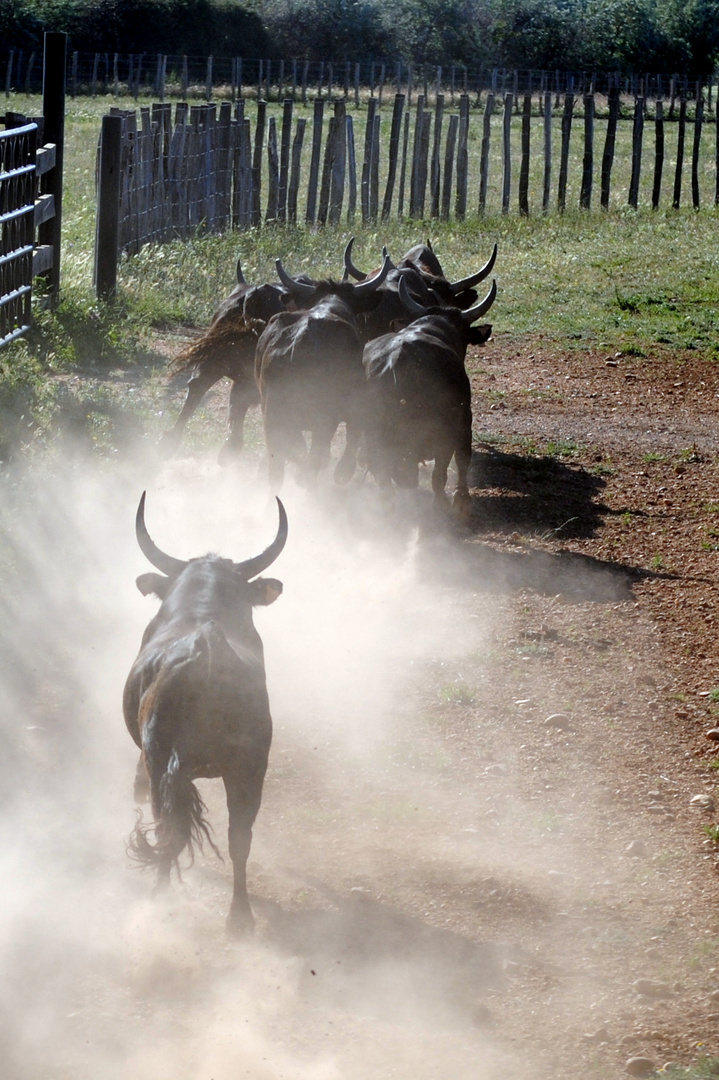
163,75
204,169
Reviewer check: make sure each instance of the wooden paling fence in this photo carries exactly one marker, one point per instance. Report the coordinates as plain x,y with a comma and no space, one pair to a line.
163,177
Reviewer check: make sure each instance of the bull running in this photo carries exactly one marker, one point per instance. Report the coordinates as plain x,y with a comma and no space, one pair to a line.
196,704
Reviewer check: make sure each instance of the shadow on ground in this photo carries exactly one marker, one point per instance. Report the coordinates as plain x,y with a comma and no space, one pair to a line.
536,495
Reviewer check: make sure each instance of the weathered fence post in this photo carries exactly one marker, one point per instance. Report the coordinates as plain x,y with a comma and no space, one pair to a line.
368,157
351,170
317,119
698,118
435,171
338,163
394,137
564,159
659,154
484,156
547,151
295,173
637,136
257,162
53,107
524,166
287,108
448,165
108,207
681,131
609,144
585,194
273,172
462,158
507,151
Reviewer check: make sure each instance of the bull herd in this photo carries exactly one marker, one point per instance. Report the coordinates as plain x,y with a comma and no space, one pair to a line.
384,353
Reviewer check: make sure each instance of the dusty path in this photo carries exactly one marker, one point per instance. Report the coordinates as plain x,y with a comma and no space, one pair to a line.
477,854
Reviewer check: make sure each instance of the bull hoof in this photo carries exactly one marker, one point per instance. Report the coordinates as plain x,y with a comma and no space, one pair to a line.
344,471
462,505
229,454
240,924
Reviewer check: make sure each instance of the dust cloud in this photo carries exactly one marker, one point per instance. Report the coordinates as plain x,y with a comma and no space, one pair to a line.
351,974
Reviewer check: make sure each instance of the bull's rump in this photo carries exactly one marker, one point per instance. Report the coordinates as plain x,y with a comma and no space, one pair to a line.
198,697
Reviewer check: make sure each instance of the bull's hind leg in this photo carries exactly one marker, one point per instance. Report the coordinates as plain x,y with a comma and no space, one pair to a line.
243,802
202,379
462,502
243,394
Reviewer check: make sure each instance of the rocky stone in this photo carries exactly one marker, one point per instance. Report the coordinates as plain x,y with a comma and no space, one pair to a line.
713,734
651,988
636,849
702,802
558,720
640,1066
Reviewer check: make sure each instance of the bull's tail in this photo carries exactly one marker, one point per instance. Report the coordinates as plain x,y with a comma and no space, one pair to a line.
180,821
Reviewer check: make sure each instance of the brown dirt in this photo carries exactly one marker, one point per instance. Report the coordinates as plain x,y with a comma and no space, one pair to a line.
586,866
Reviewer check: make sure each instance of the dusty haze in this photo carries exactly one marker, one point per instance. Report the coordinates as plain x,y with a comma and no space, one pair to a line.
373,817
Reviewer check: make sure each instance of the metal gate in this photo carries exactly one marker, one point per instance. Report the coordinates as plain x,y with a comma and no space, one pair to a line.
18,185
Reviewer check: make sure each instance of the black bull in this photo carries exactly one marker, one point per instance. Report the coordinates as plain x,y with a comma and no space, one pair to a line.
196,704
418,401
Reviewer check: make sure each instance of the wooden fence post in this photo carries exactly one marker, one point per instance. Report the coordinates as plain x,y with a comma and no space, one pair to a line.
698,118
435,171
257,162
585,194
637,136
609,145
352,171
53,107
659,153
394,138
448,165
460,207
484,157
108,207
317,120
681,132
547,151
368,156
524,166
273,171
507,151
295,171
338,164
564,159
287,108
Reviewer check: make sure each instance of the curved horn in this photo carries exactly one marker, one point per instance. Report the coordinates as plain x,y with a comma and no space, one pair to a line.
350,268
474,279
472,314
150,550
369,286
252,567
412,305
298,288
240,275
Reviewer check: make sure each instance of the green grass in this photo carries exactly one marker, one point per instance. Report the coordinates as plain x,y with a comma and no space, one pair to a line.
617,281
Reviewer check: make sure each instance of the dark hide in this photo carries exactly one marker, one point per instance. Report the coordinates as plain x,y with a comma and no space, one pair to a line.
227,350
196,704
418,404
310,375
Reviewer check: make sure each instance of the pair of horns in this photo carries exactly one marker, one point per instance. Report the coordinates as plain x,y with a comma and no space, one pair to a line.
303,291
249,568
470,315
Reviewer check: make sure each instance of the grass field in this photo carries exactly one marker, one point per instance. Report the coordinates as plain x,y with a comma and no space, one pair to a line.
620,280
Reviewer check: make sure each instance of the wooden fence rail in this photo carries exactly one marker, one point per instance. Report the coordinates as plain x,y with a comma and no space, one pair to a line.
163,177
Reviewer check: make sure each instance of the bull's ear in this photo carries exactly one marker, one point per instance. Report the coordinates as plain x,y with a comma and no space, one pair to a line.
264,591
153,583
480,334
